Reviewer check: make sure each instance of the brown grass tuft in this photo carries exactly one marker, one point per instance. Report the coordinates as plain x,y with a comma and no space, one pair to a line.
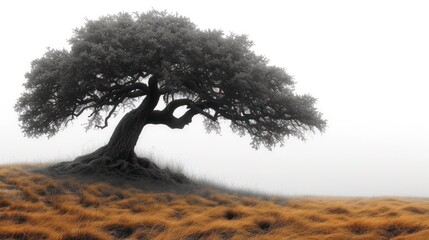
23,235
337,210
232,214
415,210
82,235
119,231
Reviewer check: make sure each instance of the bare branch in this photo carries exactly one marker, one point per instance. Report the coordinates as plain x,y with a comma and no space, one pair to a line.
106,119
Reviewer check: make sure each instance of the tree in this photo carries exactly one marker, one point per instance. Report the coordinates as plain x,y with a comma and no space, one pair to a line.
133,61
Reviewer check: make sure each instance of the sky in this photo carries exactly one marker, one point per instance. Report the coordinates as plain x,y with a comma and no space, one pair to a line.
365,61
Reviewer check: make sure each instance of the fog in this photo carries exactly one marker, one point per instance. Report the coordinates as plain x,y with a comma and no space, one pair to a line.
366,62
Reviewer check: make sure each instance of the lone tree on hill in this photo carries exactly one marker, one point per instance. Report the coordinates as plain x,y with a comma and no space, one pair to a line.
133,61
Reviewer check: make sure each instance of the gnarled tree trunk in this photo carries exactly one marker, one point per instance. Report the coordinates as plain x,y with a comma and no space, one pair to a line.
118,156
126,134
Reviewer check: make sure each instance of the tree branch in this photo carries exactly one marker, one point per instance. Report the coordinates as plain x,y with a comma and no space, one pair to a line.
171,121
106,119
166,116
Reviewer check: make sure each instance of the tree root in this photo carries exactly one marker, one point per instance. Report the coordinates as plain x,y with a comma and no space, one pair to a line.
95,164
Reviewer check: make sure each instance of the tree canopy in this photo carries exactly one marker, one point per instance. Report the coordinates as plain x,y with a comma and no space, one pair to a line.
118,60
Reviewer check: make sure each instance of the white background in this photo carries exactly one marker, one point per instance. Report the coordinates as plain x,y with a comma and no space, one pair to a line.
367,63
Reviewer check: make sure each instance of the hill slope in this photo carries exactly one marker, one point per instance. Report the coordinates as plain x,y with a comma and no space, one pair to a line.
36,206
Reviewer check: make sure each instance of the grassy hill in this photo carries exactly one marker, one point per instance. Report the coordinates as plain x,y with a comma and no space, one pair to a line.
38,206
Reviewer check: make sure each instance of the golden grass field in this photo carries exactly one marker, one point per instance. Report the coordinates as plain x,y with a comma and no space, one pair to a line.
35,206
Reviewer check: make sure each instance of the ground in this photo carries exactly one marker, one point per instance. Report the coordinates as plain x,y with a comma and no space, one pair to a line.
37,206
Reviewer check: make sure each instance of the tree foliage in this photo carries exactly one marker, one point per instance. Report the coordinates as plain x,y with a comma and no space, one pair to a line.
112,60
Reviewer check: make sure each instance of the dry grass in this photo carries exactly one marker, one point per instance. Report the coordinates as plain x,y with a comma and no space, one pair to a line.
34,206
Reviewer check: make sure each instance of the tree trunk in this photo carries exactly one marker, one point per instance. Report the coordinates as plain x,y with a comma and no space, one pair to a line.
118,156
126,134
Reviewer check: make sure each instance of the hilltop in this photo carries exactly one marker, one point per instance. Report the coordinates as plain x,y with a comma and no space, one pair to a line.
34,205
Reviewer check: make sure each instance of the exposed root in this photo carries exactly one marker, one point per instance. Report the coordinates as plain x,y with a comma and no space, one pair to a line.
135,168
